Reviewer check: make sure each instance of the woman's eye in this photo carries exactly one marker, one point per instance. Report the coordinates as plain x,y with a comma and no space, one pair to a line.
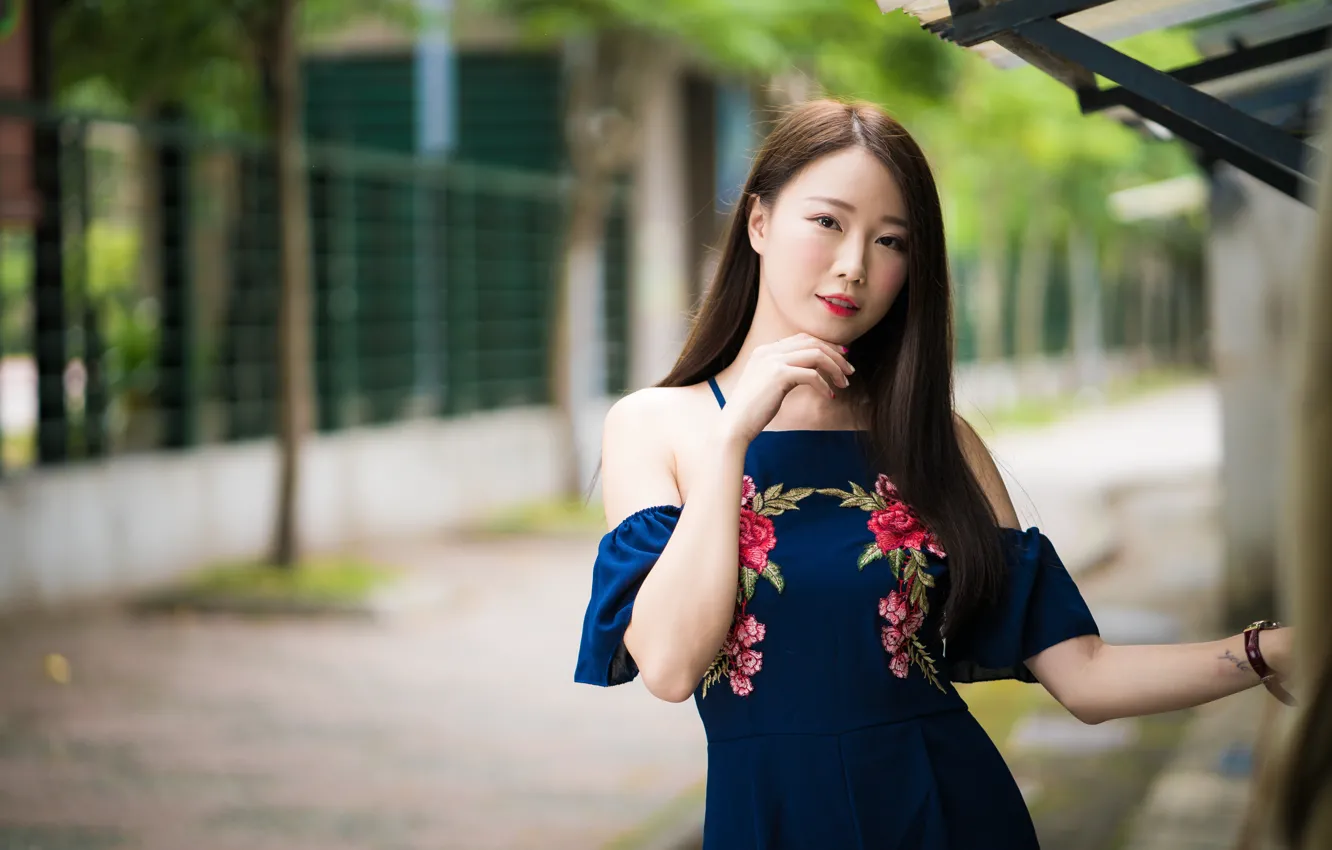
826,221
894,242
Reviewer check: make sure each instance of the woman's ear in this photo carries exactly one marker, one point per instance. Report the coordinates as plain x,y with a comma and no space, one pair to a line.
758,223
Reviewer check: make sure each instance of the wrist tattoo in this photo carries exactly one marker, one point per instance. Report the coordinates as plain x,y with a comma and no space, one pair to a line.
1239,664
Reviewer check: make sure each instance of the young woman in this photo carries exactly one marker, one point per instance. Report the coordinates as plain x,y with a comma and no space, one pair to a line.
807,433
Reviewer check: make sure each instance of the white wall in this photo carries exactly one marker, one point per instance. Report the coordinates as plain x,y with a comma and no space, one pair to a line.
130,521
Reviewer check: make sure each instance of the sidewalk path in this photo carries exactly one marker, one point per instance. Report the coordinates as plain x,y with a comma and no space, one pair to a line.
458,727
1061,476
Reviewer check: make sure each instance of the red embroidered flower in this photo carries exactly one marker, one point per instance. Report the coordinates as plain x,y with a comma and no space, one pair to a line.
893,639
741,685
747,492
899,528
748,631
900,664
893,608
757,538
886,489
748,662
913,622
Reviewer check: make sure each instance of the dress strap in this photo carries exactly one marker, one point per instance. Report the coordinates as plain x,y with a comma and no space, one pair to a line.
716,390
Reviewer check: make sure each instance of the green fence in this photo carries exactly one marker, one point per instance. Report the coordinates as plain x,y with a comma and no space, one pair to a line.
1152,288
432,289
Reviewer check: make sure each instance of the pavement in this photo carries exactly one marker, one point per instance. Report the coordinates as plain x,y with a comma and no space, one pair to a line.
455,724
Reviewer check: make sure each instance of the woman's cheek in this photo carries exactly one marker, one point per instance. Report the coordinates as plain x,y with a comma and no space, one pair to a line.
888,277
810,251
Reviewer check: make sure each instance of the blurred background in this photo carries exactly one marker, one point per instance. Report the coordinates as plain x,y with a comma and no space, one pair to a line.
309,314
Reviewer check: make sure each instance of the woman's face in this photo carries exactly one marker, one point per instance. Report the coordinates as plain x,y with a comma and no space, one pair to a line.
832,248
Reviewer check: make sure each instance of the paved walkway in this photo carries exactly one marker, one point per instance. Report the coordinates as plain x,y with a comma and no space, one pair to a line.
457,725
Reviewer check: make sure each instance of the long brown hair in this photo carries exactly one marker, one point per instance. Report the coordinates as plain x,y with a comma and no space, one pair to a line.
904,364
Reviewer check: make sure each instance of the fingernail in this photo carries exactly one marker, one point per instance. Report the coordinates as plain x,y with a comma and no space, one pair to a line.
844,349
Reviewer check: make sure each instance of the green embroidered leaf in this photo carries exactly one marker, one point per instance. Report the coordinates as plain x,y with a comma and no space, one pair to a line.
925,578
773,574
750,578
861,500
777,507
721,666
772,492
917,593
833,491
795,494
871,554
859,491
895,558
918,557
757,505
922,659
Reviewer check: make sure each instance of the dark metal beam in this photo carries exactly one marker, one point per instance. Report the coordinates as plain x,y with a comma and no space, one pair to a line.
1220,120
1294,184
973,27
1238,62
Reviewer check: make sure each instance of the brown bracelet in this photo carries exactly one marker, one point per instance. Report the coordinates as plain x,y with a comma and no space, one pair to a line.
1269,679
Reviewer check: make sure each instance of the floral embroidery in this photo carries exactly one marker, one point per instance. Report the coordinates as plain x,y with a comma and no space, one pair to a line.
901,537
737,660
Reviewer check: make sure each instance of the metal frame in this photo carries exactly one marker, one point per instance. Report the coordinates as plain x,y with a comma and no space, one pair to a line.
985,23
1237,62
1219,129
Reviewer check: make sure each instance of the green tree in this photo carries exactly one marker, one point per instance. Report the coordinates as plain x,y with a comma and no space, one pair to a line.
1020,165
154,53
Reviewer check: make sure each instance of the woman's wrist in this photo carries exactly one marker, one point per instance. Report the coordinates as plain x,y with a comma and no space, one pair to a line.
730,438
1268,647
1275,646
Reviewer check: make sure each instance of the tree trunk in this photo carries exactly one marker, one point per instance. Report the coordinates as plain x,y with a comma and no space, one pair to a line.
1086,300
294,313
989,303
600,126
1033,278
581,279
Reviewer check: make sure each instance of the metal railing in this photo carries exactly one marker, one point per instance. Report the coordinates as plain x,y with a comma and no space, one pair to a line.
432,285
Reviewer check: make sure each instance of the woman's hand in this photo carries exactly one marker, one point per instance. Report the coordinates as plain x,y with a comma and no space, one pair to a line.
772,371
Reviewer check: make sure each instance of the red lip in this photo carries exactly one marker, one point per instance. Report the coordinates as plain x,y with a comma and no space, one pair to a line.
843,306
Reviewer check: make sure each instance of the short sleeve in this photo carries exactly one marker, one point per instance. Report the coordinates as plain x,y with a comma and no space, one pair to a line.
1040,607
625,556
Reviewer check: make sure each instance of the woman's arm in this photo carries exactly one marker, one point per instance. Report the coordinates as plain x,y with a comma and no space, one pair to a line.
684,606
1097,681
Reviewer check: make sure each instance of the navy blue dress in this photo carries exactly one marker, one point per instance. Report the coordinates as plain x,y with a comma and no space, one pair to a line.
830,712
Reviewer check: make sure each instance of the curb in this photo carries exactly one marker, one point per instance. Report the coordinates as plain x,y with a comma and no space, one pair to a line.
402,597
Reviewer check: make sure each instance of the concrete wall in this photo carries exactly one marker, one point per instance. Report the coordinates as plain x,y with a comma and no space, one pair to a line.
132,521
1257,250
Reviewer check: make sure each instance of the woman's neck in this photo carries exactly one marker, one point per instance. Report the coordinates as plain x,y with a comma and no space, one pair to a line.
805,407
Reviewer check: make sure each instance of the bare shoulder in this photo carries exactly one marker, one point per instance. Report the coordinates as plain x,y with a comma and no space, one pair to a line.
987,474
641,444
